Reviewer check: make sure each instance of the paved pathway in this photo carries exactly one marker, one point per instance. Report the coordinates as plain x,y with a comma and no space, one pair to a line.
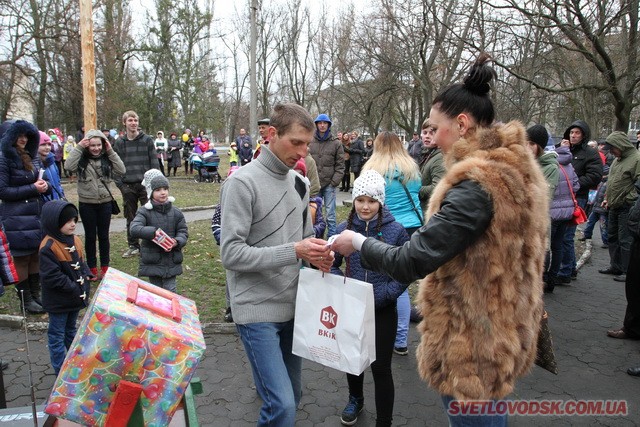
592,366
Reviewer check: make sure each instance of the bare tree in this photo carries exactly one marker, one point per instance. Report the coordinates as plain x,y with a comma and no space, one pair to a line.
599,39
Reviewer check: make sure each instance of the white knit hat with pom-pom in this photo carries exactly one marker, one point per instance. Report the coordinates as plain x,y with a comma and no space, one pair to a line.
369,183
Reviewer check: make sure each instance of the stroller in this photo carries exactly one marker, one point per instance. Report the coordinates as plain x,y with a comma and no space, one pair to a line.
207,166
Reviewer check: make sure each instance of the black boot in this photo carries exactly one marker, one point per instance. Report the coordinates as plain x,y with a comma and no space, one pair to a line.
34,288
550,284
23,291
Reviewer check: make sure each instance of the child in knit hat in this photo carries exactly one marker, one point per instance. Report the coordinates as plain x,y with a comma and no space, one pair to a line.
371,218
163,231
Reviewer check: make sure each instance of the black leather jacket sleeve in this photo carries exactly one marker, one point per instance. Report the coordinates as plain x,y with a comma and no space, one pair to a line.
465,214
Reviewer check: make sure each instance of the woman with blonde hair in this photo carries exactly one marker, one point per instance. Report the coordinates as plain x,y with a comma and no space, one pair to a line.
403,182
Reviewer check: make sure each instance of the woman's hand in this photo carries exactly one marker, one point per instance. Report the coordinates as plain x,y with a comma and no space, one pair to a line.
84,143
343,243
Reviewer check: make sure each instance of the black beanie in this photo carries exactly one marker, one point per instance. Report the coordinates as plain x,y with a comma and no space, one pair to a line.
538,135
67,213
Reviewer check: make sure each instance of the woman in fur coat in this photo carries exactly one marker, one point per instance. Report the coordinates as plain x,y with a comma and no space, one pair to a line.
481,249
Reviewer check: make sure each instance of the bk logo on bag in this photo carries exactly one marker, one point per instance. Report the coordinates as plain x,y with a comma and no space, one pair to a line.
328,317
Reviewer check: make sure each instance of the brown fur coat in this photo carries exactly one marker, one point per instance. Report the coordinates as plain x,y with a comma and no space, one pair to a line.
482,309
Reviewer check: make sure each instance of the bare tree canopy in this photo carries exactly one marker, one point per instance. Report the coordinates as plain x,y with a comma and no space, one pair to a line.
371,66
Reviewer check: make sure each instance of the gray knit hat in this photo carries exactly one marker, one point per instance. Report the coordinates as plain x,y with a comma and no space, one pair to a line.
154,179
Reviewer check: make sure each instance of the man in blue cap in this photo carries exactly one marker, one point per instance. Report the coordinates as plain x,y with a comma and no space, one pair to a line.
328,153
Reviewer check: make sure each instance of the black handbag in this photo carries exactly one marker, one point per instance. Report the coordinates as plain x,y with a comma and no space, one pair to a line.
545,356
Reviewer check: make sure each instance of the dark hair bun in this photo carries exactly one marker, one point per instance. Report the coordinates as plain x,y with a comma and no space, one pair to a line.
478,80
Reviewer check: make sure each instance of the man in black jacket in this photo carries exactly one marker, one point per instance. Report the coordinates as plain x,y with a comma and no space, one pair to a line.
588,166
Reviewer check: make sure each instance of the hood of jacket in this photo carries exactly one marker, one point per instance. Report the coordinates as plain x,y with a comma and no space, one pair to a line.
620,140
19,127
549,158
564,155
49,220
586,131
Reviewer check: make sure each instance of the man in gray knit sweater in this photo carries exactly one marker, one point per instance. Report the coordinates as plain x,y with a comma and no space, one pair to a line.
266,235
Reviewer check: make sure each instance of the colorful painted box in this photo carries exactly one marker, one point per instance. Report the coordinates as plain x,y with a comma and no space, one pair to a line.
135,330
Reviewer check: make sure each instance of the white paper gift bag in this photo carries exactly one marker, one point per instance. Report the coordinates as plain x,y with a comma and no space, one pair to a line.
335,323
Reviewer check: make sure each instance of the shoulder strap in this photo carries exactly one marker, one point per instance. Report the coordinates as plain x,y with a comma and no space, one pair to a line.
566,177
413,205
106,186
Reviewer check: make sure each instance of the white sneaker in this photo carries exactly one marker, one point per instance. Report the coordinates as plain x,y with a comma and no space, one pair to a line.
132,251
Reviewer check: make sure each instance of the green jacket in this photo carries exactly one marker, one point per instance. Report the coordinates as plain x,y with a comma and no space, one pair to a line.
624,172
549,164
432,171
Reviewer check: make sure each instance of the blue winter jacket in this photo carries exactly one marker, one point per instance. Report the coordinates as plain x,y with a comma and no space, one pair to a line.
21,202
385,290
398,202
52,174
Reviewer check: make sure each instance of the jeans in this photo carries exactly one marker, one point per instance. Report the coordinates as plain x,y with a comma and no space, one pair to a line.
594,217
495,420
168,283
62,330
554,257
568,247
132,193
277,372
96,219
328,194
620,238
404,314
404,309
386,319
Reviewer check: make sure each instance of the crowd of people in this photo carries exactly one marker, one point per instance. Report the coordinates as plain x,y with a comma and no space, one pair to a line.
52,268
482,213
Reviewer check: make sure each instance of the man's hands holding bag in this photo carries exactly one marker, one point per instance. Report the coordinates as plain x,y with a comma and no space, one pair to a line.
315,251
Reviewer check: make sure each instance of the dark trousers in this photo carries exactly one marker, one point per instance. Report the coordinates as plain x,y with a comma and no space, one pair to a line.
96,220
554,256
619,238
386,325
346,178
631,323
132,193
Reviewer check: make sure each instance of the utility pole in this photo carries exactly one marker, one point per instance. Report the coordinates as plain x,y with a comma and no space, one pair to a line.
253,91
88,65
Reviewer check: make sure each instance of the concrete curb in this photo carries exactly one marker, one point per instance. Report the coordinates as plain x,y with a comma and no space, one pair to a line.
196,208
16,322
